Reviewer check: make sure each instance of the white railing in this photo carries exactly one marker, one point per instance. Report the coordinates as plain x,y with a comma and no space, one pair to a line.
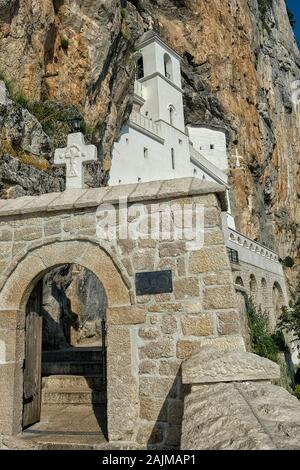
146,123
207,165
139,89
247,244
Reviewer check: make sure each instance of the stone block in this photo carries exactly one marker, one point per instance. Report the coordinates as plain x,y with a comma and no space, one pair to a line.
146,191
117,192
169,367
171,249
92,197
126,246
79,222
186,287
6,234
148,367
229,323
127,315
219,298
149,333
169,324
161,348
150,433
213,236
175,188
39,203
28,233
186,348
181,267
13,206
153,409
144,260
209,259
5,250
198,325
219,278
175,412
173,436
66,200
212,217
154,388
210,365
52,227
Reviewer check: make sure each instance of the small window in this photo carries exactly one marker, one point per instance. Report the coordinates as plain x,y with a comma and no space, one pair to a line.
146,153
168,67
212,146
146,113
172,115
120,181
139,73
203,177
200,147
173,158
127,140
195,171
139,179
180,141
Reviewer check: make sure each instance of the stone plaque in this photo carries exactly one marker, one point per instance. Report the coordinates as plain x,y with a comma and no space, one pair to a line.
156,282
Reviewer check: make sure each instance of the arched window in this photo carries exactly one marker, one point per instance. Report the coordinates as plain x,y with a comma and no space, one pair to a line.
172,114
253,286
278,298
239,281
139,68
168,67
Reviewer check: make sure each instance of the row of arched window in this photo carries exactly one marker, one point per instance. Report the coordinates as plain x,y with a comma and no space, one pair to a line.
277,293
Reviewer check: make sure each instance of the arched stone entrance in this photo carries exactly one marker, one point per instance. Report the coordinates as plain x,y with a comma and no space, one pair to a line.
21,277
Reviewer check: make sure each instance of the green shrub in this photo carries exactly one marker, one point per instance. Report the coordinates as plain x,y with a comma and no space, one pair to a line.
288,262
297,392
123,12
64,42
279,341
262,341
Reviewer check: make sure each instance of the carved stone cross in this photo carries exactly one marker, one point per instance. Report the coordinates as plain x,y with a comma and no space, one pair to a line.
238,159
74,156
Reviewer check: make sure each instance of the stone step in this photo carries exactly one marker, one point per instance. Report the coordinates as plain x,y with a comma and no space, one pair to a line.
70,382
73,397
73,354
72,368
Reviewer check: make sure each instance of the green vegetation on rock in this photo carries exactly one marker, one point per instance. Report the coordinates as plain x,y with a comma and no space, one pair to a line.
263,342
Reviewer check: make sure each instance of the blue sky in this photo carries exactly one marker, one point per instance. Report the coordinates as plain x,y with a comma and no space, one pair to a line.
294,6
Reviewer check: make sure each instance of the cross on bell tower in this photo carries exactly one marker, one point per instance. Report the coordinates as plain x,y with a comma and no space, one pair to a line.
73,157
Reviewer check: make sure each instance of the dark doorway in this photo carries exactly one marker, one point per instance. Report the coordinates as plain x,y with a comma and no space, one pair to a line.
65,386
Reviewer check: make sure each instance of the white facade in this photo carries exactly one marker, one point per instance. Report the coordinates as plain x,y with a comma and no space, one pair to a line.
155,144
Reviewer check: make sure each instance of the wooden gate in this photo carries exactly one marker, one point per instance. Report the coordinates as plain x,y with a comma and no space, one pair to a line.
33,358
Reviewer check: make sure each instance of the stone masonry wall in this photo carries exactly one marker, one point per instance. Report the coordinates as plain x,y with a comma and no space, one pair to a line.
149,339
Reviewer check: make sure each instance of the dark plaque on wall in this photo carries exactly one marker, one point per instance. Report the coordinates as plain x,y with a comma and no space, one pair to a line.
155,282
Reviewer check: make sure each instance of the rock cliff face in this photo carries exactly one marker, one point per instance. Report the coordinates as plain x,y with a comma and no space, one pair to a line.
240,61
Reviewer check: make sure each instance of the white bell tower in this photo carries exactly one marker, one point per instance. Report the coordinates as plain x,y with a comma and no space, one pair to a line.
158,69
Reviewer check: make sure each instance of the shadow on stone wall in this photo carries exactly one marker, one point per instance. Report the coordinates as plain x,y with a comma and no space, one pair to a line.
167,431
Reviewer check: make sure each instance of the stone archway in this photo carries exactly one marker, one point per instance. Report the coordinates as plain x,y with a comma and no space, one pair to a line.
21,276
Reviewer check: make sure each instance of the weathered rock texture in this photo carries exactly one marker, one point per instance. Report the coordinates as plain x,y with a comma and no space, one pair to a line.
239,64
232,404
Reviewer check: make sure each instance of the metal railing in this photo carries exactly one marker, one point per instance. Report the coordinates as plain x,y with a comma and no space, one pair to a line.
233,255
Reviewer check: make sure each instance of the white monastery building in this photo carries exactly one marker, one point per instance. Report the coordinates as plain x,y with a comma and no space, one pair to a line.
155,144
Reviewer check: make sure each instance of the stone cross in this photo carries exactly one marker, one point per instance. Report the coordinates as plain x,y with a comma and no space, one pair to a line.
74,156
238,159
